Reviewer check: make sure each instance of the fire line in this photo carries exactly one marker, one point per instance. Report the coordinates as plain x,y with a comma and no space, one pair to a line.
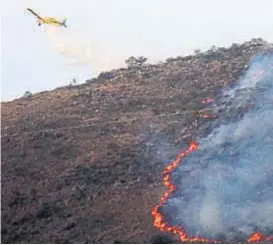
162,224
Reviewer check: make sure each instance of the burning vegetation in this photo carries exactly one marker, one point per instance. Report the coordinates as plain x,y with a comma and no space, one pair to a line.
82,164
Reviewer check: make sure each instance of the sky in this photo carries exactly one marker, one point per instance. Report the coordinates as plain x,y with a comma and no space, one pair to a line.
107,32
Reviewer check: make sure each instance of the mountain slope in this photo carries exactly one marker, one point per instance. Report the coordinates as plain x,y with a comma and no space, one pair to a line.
82,163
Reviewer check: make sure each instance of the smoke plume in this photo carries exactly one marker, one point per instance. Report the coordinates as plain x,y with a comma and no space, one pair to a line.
225,188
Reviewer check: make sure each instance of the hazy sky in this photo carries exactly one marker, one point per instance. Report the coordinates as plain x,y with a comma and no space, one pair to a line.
153,28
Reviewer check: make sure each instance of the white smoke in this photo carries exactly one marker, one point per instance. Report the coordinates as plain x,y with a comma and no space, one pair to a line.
226,187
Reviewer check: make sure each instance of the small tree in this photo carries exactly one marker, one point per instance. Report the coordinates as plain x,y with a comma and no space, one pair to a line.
141,60
73,83
213,48
197,51
257,41
135,62
27,94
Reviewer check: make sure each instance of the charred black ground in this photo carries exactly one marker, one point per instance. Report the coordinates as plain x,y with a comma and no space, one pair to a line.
81,164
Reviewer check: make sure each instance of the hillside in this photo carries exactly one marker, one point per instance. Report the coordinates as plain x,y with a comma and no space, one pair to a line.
82,164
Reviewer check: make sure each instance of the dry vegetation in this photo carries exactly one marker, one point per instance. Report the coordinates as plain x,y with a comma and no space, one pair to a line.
79,164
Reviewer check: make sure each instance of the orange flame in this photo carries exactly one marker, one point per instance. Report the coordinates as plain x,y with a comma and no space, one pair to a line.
159,221
163,225
207,100
255,237
204,114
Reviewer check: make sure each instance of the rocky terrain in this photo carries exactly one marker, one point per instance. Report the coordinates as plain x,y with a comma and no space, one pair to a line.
82,164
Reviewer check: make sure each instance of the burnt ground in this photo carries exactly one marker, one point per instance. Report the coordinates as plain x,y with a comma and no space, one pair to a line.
80,163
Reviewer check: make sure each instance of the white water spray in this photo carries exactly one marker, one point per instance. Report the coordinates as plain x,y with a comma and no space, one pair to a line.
96,54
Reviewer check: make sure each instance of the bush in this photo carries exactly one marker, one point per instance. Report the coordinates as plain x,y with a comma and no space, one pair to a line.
197,51
27,94
135,62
